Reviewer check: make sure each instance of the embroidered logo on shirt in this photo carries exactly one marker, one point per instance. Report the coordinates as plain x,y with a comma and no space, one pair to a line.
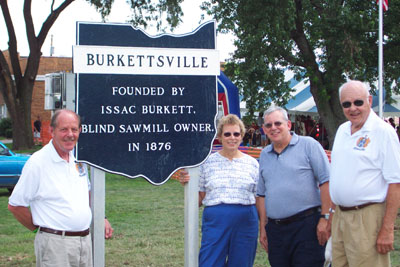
362,143
80,168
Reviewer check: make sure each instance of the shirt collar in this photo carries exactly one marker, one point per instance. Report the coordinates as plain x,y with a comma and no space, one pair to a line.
54,155
368,124
293,141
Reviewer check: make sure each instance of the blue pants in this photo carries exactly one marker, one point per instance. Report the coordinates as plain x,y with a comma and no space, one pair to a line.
229,236
295,244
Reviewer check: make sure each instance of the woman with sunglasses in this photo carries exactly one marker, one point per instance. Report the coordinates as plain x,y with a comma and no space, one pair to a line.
227,186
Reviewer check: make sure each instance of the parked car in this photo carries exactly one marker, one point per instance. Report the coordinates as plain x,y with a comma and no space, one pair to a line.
11,165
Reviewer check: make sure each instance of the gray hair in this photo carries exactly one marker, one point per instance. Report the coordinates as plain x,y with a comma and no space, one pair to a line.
356,83
276,108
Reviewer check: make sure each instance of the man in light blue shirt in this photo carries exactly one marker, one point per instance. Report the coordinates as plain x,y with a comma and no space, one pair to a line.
293,195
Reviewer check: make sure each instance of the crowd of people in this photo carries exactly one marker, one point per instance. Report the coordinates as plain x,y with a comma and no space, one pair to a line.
303,125
293,201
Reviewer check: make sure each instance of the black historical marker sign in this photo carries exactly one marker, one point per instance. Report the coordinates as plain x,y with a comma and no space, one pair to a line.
148,104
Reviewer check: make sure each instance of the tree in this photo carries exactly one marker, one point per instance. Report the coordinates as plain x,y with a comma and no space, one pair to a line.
323,41
16,84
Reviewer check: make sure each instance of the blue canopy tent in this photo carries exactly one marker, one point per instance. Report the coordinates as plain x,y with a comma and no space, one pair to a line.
228,96
388,110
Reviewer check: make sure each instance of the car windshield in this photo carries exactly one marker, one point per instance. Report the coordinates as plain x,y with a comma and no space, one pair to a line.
4,151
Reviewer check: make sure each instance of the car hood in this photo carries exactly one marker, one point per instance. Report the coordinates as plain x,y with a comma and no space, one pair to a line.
23,155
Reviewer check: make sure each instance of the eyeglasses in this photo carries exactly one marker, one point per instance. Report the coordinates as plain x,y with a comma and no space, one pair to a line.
357,103
269,125
235,134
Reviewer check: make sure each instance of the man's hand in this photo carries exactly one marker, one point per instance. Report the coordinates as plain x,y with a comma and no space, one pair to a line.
323,232
384,242
263,239
108,230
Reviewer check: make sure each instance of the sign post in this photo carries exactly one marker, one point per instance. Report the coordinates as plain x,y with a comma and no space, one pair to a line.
192,219
148,106
97,204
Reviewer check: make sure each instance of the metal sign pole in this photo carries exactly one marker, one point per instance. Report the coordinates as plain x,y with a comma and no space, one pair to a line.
97,196
192,219
380,63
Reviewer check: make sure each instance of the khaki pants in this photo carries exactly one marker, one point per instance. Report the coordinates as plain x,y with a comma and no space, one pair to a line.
65,251
354,235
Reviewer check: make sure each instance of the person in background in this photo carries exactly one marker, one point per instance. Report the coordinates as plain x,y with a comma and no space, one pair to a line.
37,125
391,121
52,198
257,138
365,183
263,137
252,136
293,195
260,119
398,131
247,137
227,186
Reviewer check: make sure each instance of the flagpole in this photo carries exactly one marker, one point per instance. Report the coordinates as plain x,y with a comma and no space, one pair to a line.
380,63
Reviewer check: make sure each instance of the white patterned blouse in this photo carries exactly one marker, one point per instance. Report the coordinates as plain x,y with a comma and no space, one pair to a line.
229,181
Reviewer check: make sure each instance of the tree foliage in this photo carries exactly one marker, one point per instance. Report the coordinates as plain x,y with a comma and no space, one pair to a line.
16,83
326,42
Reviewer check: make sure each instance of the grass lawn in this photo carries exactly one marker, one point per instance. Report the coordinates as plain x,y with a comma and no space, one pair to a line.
147,221
25,151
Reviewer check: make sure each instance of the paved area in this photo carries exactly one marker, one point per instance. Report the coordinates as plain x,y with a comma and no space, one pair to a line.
6,141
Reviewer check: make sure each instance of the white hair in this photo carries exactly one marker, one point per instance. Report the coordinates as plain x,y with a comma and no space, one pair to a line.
356,83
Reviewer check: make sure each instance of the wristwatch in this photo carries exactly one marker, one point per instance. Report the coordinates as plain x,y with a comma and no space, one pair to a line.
325,216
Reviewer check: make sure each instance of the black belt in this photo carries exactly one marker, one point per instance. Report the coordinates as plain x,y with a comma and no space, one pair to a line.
357,207
296,217
66,233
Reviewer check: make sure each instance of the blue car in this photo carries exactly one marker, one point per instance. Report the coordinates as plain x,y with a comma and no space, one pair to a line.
11,165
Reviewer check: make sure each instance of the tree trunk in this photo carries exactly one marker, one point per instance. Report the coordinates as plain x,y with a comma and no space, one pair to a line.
18,98
22,129
329,108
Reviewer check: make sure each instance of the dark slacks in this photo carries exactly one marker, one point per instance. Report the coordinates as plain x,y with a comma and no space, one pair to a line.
295,244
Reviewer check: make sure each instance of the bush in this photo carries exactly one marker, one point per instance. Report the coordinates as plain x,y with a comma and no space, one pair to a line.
8,133
6,128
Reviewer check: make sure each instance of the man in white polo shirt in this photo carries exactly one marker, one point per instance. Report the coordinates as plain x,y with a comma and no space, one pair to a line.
55,188
364,184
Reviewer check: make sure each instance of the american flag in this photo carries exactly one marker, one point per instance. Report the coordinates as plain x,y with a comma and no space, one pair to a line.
385,4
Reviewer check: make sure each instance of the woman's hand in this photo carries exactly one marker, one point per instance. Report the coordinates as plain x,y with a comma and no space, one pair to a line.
184,176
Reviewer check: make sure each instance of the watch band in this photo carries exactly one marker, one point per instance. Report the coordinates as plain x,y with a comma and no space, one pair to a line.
325,216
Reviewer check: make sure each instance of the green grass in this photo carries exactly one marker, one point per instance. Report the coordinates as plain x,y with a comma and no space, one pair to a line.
148,227
24,151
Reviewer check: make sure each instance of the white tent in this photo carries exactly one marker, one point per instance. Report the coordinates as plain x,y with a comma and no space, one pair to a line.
302,102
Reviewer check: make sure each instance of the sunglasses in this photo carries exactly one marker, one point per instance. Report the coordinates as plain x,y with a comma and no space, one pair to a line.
357,103
269,125
235,134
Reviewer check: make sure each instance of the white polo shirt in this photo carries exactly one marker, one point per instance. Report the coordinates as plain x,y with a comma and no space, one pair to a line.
365,163
57,191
